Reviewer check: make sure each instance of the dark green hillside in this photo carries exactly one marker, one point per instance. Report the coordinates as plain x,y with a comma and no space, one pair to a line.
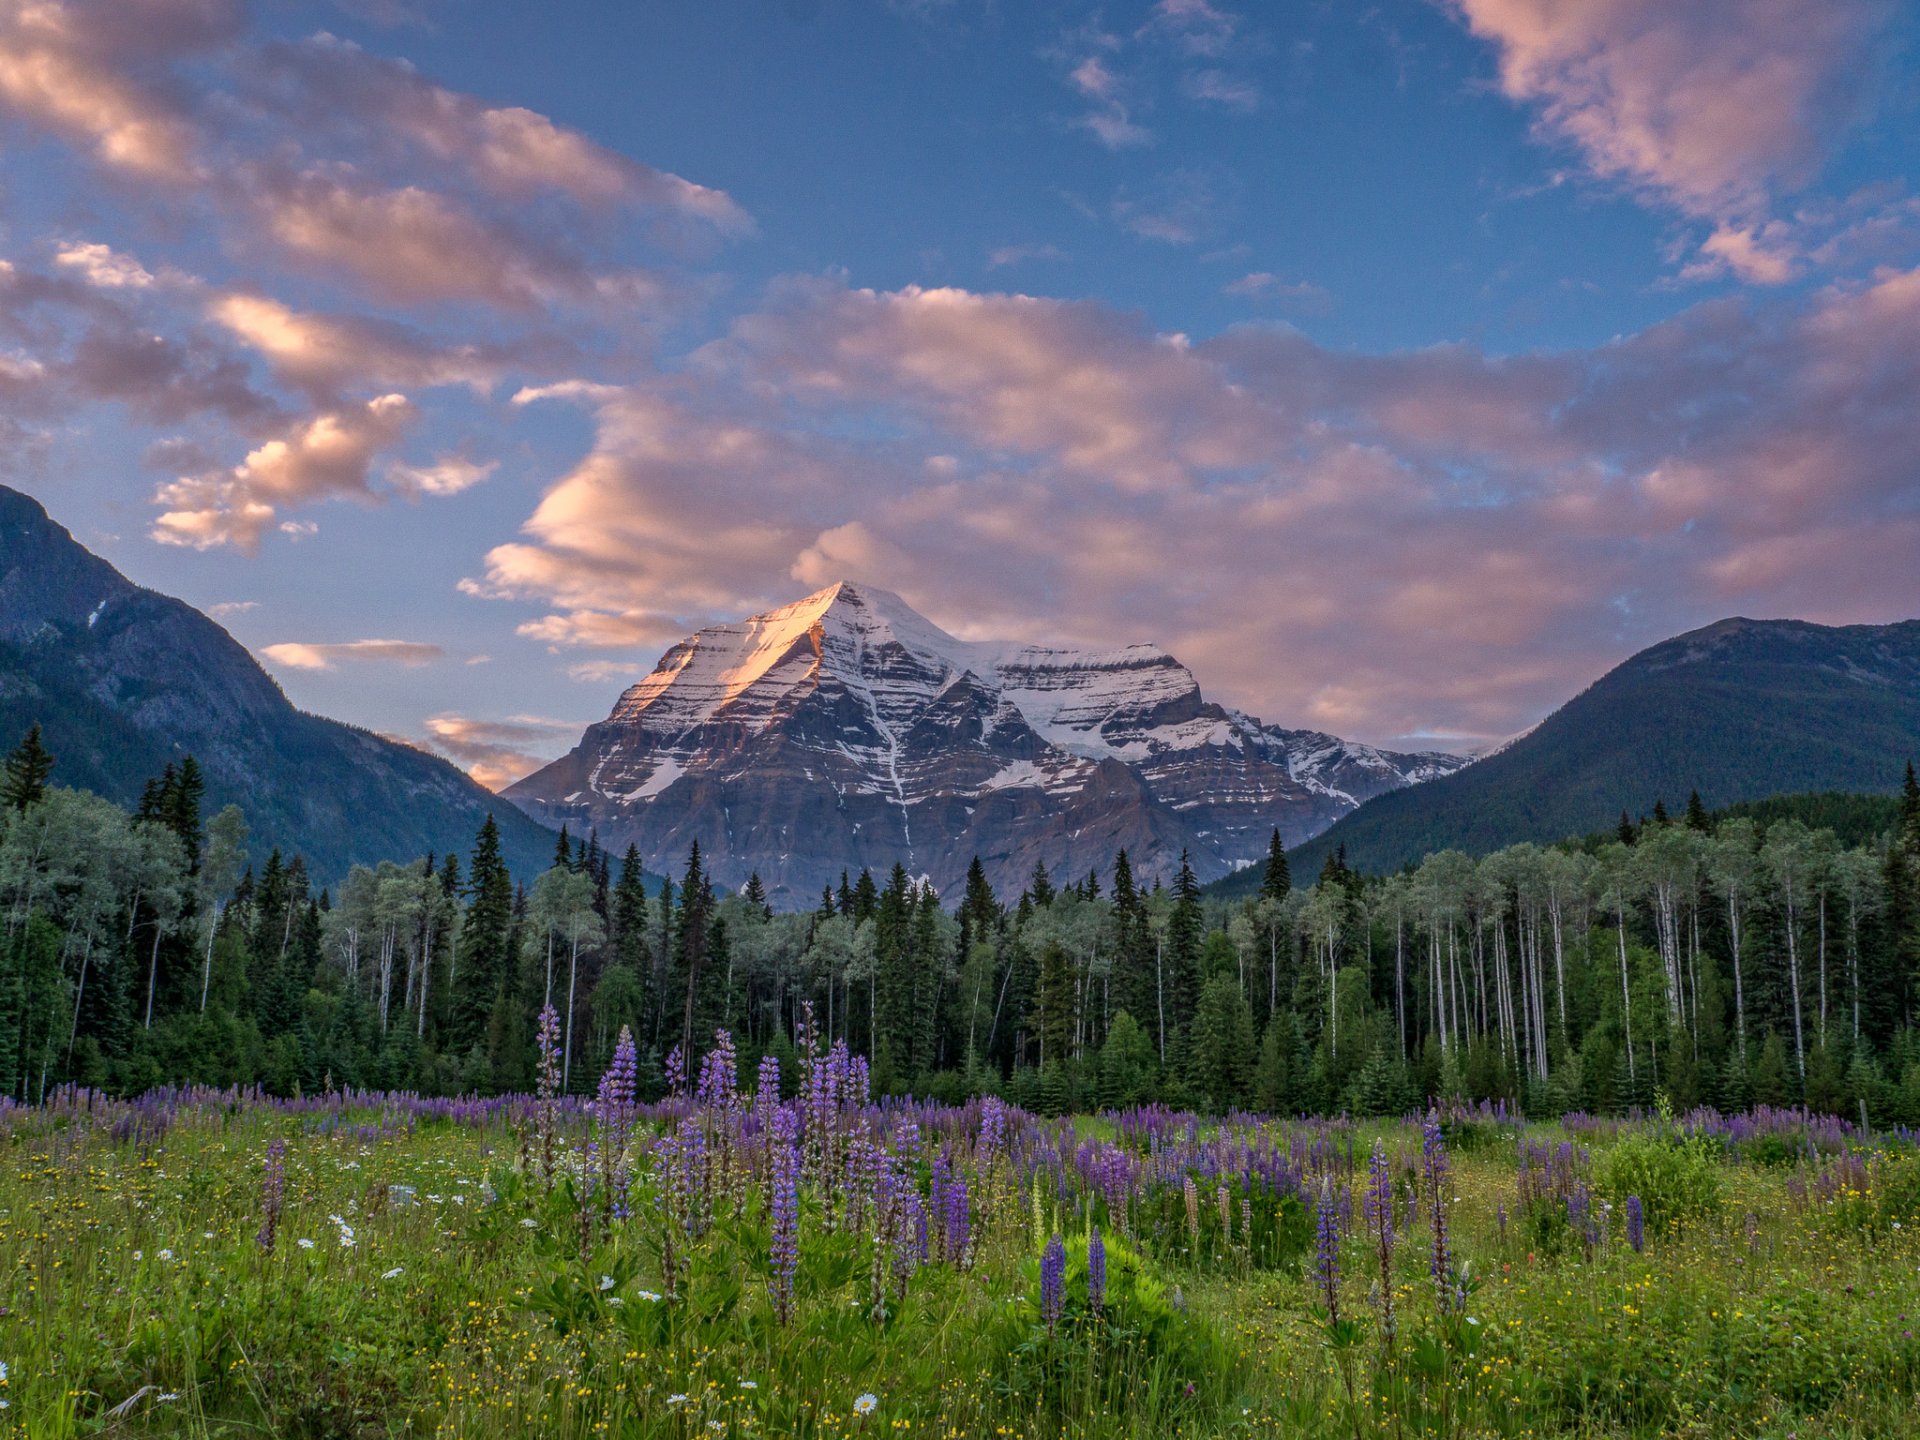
124,681
1740,711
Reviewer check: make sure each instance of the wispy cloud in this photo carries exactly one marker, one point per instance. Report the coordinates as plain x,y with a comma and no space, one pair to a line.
498,752
303,655
1715,107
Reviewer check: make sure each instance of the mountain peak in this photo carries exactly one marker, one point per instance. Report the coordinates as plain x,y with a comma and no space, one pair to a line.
846,729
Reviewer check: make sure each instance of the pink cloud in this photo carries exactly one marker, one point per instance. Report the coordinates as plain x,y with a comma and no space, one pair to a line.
1712,104
93,72
327,457
1462,539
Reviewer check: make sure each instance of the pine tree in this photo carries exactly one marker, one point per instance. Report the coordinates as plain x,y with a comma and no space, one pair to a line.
180,811
1626,833
1697,813
1054,1000
486,944
1222,1061
1040,887
563,852
1183,979
30,764
695,933
756,894
1277,879
866,897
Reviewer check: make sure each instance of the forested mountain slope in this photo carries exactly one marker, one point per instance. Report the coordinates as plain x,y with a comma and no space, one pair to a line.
124,681
1740,710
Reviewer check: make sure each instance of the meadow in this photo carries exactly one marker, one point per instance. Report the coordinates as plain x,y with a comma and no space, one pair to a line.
784,1256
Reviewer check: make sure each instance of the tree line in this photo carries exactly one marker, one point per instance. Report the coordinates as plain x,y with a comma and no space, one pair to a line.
1712,959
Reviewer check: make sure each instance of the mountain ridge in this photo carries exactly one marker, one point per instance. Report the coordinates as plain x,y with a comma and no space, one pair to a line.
1739,710
125,680
845,730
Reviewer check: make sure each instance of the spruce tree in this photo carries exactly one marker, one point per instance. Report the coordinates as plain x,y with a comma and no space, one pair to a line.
1277,879
1697,813
485,946
30,764
1183,979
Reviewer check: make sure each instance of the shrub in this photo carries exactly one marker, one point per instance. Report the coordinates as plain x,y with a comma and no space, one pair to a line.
1142,1354
1675,1178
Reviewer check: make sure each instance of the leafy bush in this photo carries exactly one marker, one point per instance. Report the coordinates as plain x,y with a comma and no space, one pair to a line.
1676,1179
1142,1354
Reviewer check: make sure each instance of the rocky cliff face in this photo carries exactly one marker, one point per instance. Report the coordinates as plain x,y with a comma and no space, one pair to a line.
124,680
845,730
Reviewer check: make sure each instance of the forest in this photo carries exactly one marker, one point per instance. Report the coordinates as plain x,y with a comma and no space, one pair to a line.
1725,959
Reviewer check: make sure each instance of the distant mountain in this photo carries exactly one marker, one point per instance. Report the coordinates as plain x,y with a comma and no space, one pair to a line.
1739,711
123,681
845,730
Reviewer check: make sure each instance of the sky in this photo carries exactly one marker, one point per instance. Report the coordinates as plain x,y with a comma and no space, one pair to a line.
1398,366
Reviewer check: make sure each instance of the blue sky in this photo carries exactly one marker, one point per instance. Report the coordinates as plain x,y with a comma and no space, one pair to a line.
1398,366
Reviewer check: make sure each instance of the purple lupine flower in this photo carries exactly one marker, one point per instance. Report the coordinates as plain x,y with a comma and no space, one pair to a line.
1433,1158
1326,1250
614,1106
719,1074
942,1177
1378,1210
547,1042
676,1072
957,1221
688,1174
1636,1224
1053,1274
273,1190
993,1128
621,1080
1096,1271
766,1087
786,1213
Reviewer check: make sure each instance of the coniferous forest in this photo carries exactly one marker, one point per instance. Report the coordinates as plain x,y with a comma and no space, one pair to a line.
1726,960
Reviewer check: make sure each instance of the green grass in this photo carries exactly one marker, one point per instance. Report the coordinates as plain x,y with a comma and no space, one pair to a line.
473,1302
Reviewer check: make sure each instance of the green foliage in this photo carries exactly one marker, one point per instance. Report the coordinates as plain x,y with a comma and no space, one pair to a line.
1675,1177
1143,1354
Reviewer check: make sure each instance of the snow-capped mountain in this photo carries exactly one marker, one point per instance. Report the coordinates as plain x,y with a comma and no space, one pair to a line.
847,730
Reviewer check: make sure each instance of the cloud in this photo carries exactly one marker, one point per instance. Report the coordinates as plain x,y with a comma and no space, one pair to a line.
105,267
509,151
1462,538
1264,285
326,457
92,72
449,475
1196,27
1091,76
232,607
78,342
598,672
1220,88
1759,255
325,355
297,655
340,162
498,752
1177,208
410,244
1007,255
1713,106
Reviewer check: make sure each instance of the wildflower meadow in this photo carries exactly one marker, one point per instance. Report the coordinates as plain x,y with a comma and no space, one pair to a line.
781,1254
